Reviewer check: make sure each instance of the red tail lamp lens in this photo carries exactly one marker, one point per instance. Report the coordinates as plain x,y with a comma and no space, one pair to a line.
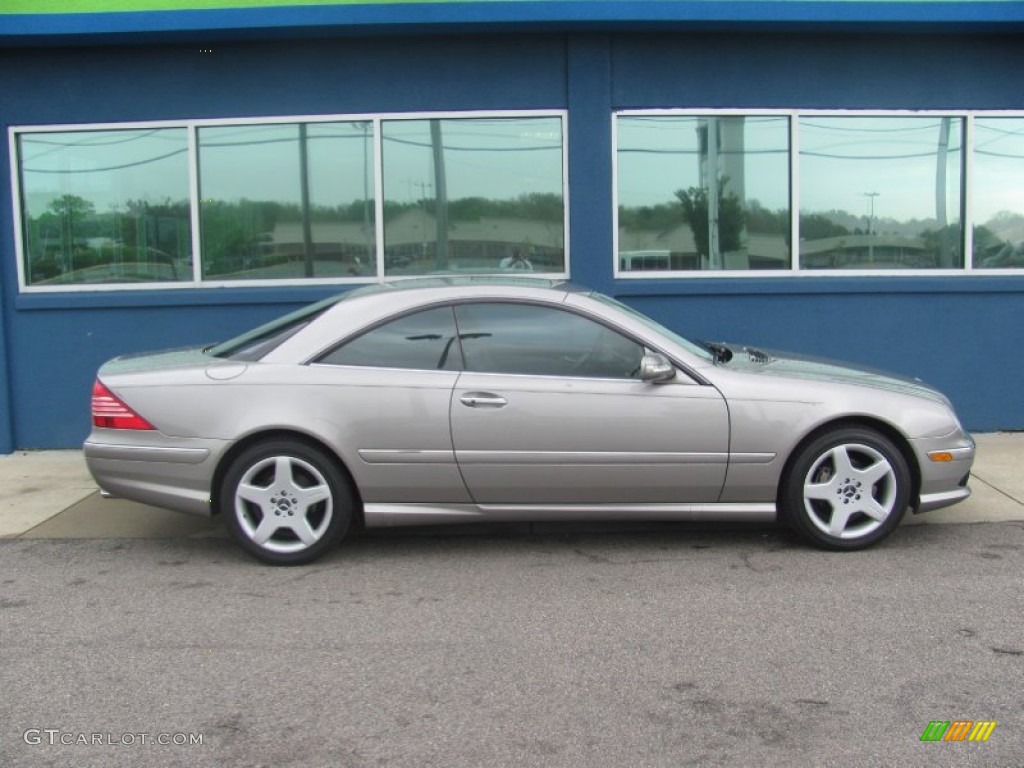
110,412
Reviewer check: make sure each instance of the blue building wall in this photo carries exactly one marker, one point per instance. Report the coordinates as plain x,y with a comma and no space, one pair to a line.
960,333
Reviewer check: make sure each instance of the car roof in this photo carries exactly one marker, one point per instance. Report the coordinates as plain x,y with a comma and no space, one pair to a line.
462,280
383,299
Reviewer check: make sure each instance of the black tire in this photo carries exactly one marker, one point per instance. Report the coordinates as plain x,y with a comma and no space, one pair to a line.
286,502
847,489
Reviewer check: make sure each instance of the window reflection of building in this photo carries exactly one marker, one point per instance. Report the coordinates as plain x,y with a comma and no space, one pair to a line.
998,195
500,192
312,172
685,189
93,211
847,167
914,164
289,200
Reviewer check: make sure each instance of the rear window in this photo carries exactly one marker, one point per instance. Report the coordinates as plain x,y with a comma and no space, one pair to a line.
255,344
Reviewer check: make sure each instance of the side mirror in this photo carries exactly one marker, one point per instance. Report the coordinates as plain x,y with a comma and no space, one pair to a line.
656,367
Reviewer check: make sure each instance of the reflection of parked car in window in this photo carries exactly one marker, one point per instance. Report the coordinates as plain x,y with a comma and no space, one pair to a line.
110,261
1010,255
640,261
516,261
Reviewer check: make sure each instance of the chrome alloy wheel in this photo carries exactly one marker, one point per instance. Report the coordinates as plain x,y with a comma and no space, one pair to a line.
283,504
850,491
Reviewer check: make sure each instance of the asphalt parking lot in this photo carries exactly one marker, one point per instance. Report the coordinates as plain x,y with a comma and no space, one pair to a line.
672,646
560,645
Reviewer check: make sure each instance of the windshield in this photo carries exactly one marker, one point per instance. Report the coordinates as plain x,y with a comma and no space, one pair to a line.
654,325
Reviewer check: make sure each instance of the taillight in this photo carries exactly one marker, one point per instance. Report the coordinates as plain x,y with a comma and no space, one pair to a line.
110,412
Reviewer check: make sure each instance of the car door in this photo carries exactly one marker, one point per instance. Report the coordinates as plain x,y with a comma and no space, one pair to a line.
389,390
551,411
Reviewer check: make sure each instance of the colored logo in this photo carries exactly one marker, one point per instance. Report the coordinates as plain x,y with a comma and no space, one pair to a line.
958,730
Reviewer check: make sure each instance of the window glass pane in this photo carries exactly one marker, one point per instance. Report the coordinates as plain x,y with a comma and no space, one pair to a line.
473,195
540,341
422,341
998,194
674,213
880,192
287,201
105,206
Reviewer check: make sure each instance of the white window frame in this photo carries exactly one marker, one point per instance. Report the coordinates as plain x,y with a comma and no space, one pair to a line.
192,127
794,270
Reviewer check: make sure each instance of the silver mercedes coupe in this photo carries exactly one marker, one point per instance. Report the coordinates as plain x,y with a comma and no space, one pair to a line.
454,399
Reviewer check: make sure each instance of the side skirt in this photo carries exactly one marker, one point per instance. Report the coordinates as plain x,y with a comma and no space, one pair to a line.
383,515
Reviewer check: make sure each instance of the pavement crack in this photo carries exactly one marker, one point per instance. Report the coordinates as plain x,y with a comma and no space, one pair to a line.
998,490
1008,651
758,569
592,557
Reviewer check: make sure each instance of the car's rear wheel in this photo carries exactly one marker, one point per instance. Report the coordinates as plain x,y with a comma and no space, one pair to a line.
286,502
847,489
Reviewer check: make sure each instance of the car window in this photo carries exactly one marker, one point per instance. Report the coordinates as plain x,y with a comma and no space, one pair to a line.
543,341
254,344
423,340
654,325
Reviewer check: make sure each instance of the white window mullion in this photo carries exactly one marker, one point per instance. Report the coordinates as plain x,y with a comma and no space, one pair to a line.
195,202
378,195
794,192
967,190
615,194
564,119
20,239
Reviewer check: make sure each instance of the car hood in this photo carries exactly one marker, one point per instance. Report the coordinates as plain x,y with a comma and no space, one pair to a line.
150,361
796,366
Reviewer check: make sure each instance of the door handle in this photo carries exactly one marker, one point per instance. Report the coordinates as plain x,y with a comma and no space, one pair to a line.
483,400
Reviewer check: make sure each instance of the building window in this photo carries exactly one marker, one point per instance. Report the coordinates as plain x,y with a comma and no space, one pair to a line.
703,193
286,201
998,192
105,206
880,192
477,195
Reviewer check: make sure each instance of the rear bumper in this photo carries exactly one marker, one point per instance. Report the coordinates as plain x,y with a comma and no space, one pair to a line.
178,476
145,453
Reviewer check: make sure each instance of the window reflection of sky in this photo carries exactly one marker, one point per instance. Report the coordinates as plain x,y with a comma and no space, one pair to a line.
998,167
261,162
659,155
499,159
843,160
107,168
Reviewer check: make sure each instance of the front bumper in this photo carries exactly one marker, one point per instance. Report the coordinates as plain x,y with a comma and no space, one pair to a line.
945,482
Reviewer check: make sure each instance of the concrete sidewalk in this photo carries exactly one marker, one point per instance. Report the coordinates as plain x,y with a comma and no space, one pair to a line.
52,496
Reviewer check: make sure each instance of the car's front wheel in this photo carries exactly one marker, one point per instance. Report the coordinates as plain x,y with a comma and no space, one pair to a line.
847,489
286,502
